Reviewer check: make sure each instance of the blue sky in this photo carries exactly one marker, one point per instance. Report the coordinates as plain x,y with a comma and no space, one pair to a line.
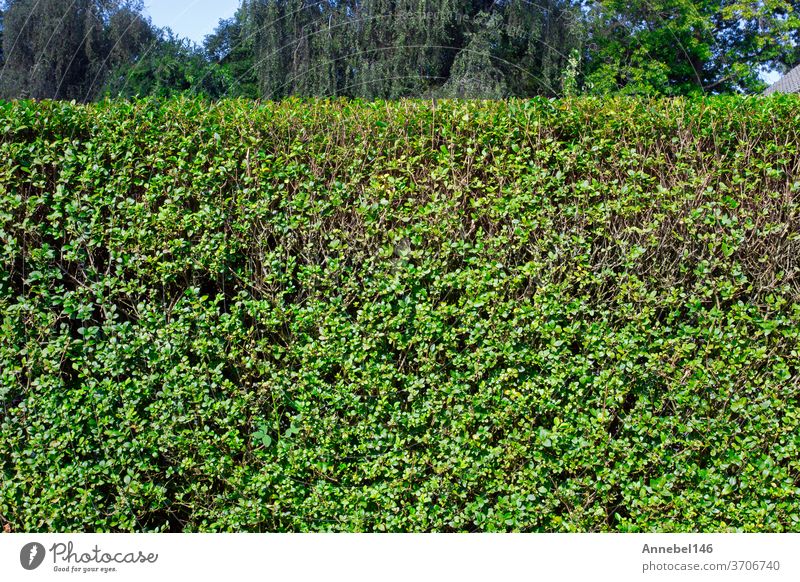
192,19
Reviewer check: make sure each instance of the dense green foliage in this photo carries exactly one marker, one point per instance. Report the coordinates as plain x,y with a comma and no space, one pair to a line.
63,49
169,67
327,315
231,49
400,48
687,47
2,54
172,66
89,49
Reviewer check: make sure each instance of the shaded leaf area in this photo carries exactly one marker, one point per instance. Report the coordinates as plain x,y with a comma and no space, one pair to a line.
576,315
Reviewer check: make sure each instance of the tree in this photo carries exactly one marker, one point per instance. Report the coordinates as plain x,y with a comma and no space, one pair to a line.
170,66
539,40
2,58
405,48
679,47
45,44
231,48
474,72
63,49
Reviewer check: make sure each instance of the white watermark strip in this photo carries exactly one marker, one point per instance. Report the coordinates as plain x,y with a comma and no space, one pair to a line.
352,558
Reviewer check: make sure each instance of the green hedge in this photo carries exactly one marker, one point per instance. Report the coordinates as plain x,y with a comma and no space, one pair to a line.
327,315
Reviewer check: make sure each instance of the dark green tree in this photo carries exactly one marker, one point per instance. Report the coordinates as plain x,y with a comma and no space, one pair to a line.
2,58
63,49
399,48
231,50
170,66
538,39
475,72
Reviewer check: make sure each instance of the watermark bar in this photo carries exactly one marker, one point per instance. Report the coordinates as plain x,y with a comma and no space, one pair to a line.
353,557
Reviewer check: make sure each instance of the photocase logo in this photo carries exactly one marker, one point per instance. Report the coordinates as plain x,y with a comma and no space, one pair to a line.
32,555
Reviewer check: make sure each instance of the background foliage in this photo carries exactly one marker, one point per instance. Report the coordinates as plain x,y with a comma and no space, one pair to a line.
328,315
688,47
89,49
63,49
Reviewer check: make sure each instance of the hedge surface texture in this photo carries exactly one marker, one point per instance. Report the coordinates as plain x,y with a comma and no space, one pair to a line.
576,315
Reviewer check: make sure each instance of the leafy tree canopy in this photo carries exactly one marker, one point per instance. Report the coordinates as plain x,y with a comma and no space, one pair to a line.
688,46
272,49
